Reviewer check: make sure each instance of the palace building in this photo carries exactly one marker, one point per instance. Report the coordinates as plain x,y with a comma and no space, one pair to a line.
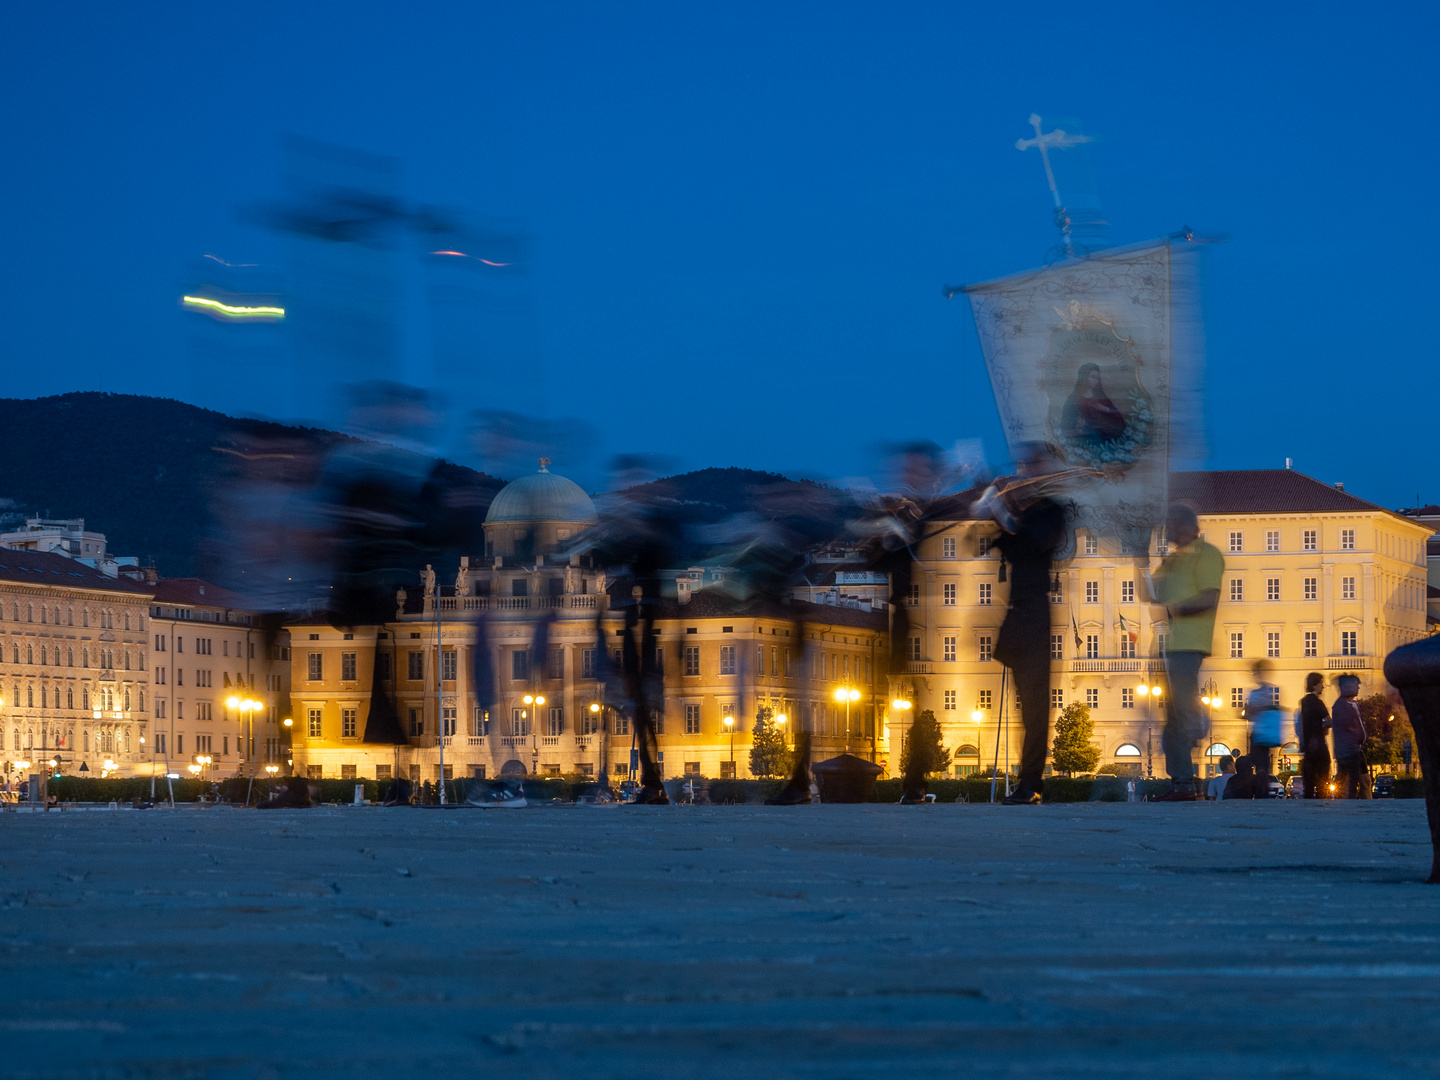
723,656
1315,580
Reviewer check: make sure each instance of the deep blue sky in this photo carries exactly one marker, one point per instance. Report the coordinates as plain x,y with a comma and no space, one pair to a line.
743,214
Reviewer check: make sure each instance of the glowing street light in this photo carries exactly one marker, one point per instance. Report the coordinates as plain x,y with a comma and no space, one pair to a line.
977,716
730,727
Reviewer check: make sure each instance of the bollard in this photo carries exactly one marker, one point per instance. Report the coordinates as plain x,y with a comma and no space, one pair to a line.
1414,670
359,794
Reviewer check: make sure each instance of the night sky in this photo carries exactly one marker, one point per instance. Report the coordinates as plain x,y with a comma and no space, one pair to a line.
741,216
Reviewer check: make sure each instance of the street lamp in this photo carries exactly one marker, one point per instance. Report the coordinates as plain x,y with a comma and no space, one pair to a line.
535,700
730,727
780,719
847,694
1151,694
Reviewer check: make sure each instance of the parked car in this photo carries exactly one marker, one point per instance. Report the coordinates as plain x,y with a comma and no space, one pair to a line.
1384,786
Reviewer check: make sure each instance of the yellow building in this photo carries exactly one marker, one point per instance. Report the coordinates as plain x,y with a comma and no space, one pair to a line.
1315,580
721,656
221,684
74,683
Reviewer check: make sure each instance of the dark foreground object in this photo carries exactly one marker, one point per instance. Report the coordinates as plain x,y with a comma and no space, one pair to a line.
846,779
295,795
1414,670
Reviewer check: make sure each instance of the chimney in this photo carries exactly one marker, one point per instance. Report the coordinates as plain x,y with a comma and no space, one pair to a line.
1340,485
682,590
1289,463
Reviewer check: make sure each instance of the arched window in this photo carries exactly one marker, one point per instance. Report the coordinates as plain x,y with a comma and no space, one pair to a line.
43,615
85,740
127,699
69,656
29,653
29,612
127,618
85,657
15,737
140,621
85,616
968,751
44,696
29,738
70,736
16,649
15,610
127,659
70,615
1128,750
44,651
1218,749
29,696
141,703
57,614
69,697
85,695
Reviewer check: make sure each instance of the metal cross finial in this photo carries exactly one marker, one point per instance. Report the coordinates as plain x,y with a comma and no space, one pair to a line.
1059,139
544,464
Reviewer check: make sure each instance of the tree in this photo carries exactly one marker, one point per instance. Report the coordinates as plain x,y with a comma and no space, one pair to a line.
926,742
1386,728
768,754
1073,751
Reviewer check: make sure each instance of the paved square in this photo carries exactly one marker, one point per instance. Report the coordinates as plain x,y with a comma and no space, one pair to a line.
1289,939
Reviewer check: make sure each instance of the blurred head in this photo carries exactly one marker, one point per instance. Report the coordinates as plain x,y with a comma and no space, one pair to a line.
1261,670
1244,767
1034,459
1349,685
1227,764
1313,682
1182,527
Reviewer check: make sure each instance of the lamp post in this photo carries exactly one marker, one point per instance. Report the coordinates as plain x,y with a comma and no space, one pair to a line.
902,706
1152,695
730,727
1210,698
534,700
847,694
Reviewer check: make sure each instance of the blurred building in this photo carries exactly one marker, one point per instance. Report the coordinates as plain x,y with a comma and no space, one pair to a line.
722,655
1316,579
221,683
74,680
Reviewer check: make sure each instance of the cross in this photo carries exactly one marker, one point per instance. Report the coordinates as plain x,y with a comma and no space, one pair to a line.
1059,139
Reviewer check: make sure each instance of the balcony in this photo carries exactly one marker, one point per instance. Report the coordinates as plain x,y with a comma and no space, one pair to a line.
550,740
1347,663
918,667
1108,665
582,742
475,740
514,740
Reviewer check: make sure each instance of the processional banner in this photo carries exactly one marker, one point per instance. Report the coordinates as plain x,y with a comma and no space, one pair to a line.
1082,357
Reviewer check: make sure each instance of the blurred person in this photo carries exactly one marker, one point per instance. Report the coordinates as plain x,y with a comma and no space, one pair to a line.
1033,532
1352,773
1188,584
1263,714
1216,789
1314,723
1244,784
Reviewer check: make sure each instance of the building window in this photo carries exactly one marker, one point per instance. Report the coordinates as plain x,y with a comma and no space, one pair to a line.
1272,539
759,661
950,700
1348,645
1127,697
519,722
1237,590
1237,697
587,664
316,669
312,725
985,594
949,594
1092,592
1057,646
1092,545
1310,539
348,723
1237,645
449,662
947,547
1347,588
1272,644
1311,588
915,648
1127,646
1127,591
1237,541
555,722
914,597
948,644
1092,697
774,661
727,659
1057,592
1347,539
982,699
987,647
692,719
1272,588
1092,646
1057,698
1312,643
692,660
520,665
347,666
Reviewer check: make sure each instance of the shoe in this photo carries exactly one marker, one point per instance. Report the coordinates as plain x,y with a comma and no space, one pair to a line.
790,795
1022,797
913,798
497,795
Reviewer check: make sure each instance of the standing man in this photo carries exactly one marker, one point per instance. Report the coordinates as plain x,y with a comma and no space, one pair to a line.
1029,543
1314,723
1188,584
1351,771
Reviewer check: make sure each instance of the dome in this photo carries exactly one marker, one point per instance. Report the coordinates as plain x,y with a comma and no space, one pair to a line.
542,496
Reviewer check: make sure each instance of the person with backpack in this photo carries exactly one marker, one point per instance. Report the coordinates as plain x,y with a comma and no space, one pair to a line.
1352,771
1313,723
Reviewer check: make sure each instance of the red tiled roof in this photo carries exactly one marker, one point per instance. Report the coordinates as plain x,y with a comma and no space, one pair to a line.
45,568
197,592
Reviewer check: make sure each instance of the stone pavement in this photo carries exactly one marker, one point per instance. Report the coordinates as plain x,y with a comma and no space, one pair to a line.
1105,940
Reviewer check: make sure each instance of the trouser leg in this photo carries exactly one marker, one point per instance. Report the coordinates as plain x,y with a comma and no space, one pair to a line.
1183,723
1032,687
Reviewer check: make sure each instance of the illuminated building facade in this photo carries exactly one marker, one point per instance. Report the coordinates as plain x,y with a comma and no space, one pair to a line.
1315,580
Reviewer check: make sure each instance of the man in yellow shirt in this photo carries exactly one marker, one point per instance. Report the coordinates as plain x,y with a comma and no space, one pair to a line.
1188,584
